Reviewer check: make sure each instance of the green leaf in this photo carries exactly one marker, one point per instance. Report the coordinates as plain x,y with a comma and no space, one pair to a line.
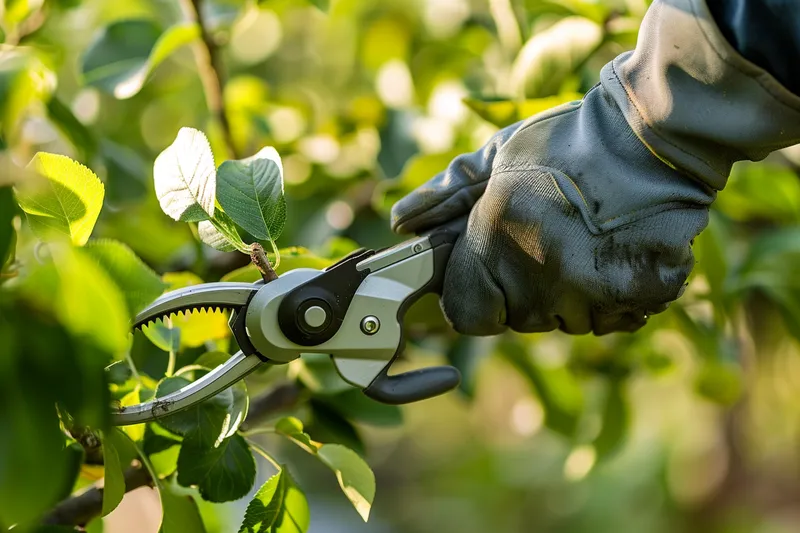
354,475
79,135
279,506
251,193
503,112
223,473
67,201
185,177
216,418
357,407
549,57
328,425
119,372
118,452
83,293
180,512
8,210
163,335
221,234
123,54
292,428
138,283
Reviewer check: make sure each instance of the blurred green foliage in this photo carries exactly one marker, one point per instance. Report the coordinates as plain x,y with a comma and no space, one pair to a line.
688,425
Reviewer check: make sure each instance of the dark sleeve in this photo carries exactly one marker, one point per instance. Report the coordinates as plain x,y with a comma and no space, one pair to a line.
766,32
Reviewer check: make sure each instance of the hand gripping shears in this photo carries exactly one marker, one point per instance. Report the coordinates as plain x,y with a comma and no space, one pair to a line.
352,311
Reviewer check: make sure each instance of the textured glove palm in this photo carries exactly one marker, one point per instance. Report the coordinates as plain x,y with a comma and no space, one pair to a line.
582,218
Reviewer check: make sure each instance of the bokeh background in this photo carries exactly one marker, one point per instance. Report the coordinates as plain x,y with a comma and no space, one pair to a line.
690,425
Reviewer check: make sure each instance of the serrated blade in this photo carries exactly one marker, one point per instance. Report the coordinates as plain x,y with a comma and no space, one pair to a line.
206,296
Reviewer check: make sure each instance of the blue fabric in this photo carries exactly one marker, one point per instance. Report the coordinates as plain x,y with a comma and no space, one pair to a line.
766,32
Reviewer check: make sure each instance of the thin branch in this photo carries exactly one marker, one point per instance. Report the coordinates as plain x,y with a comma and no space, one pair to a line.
261,262
79,510
209,68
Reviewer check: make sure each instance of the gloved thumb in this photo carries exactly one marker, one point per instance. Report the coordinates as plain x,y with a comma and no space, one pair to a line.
452,193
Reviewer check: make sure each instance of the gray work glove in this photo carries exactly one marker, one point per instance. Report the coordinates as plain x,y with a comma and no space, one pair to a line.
582,218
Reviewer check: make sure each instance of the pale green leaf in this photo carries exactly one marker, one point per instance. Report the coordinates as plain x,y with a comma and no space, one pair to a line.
137,281
180,512
279,506
292,428
134,431
224,472
251,193
503,112
67,202
354,475
163,335
185,177
200,326
123,55
118,452
83,294
552,55
221,234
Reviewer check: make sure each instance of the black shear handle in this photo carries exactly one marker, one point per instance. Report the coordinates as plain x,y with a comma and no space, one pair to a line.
427,382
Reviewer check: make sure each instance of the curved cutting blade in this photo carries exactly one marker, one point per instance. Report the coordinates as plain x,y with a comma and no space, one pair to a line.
217,380
207,296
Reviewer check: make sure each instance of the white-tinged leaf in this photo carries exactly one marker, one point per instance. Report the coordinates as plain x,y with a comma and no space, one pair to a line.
354,475
67,202
185,177
221,234
251,193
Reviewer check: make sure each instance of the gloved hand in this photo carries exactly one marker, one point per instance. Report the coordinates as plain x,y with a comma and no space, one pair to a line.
582,218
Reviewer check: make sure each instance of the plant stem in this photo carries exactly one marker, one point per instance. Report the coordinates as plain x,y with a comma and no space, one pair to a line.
209,68
261,262
263,453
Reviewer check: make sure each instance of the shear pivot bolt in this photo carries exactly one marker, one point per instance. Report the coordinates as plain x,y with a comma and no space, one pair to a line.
370,325
417,248
315,316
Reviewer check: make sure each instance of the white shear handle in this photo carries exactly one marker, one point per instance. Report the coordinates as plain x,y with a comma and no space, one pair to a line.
217,380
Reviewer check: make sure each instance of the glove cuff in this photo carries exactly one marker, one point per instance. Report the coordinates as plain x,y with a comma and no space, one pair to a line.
693,100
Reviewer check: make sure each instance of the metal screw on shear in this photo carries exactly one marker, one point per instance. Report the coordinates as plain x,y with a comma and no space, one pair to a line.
370,325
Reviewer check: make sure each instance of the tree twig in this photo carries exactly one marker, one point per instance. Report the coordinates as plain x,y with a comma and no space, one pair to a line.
209,68
79,510
260,260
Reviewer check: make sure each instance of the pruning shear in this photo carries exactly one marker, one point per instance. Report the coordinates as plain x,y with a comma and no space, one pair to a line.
352,311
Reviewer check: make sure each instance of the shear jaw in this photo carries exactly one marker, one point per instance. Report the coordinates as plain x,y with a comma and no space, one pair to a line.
207,296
